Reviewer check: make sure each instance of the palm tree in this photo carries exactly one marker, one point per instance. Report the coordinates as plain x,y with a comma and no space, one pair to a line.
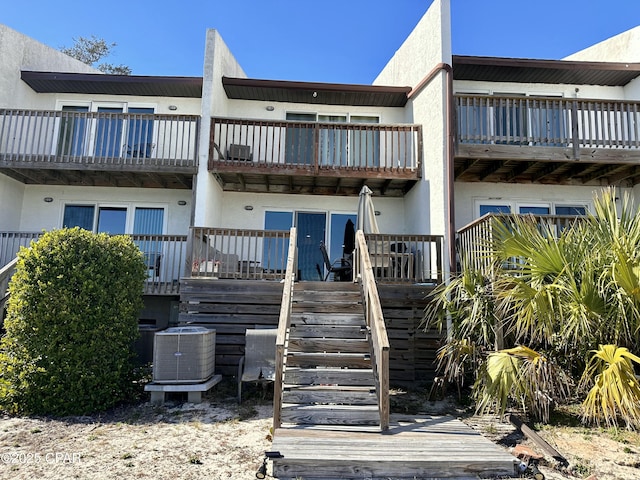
562,293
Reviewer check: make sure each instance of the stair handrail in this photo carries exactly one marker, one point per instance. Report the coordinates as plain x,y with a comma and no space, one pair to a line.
376,324
6,272
283,325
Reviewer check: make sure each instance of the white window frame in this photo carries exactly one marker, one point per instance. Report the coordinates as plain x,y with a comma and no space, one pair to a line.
130,208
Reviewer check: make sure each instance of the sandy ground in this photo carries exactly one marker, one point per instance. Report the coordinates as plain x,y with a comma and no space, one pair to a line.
219,439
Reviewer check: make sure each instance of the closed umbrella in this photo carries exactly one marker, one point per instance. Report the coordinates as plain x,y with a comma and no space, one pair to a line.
366,220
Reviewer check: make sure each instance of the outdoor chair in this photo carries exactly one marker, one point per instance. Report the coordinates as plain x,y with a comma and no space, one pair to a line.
340,267
259,361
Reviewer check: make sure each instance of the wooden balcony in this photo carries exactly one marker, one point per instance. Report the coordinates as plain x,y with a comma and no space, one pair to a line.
314,158
165,256
475,241
229,253
99,148
547,140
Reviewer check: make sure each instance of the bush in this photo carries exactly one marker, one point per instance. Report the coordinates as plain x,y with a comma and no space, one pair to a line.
71,323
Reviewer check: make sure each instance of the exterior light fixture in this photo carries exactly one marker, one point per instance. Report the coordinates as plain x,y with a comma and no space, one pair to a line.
248,207
315,94
377,212
48,199
270,108
173,107
182,202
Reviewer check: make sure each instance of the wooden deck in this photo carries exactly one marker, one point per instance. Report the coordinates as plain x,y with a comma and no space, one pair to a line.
413,447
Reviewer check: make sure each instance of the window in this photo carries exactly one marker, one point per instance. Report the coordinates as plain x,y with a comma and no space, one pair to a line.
510,118
275,251
571,210
299,144
78,216
140,133
534,209
114,219
333,141
337,146
365,143
72,136
110,134
489,208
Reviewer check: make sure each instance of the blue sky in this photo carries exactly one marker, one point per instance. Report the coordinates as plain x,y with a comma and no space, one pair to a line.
346,41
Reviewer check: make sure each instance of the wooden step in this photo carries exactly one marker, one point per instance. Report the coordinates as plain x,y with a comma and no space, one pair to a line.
326,307
340,297
328,331
343,360
319,318
326,286
329,394
328,345
330,414
319,376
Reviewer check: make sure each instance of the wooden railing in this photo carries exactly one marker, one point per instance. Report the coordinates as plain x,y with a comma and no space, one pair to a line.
547,121
6,272
239,253
475,241
98,138
315,146
406,258
10,243
375,322
165,256
284,323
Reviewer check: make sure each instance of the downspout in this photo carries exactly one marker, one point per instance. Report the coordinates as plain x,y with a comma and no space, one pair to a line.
449,151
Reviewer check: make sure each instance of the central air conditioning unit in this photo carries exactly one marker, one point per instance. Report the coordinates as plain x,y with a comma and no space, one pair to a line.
184,355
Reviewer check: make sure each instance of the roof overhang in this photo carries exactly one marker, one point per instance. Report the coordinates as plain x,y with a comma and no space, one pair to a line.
96,83
315,93
524,70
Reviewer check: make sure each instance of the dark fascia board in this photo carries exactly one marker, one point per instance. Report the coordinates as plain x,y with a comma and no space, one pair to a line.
315,92
520,70
95,83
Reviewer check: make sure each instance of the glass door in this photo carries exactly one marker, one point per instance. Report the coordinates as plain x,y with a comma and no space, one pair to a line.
311,231
299,142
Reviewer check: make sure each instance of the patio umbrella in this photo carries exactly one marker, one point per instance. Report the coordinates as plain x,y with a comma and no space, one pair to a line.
366,220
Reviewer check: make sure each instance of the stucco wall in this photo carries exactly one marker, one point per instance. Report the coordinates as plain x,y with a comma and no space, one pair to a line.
428,45
19,52
234,215
624,47
218,62
11,195
541,89
468,195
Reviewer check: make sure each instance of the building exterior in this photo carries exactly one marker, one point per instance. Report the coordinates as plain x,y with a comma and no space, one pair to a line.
207,172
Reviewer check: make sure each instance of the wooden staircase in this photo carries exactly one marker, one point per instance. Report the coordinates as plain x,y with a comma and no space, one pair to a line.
328,377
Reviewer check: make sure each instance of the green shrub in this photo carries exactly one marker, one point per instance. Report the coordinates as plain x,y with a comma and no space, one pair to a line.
71,323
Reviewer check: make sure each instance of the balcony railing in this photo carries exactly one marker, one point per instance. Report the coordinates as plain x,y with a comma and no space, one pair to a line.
239,253
406,258
134,140
475,241
164,255
548,122
315,146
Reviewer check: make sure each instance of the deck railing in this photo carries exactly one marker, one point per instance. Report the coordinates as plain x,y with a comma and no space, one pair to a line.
406,258
239,253
284,323
315,146
376,324
98,138
476,240
165,256
548,121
